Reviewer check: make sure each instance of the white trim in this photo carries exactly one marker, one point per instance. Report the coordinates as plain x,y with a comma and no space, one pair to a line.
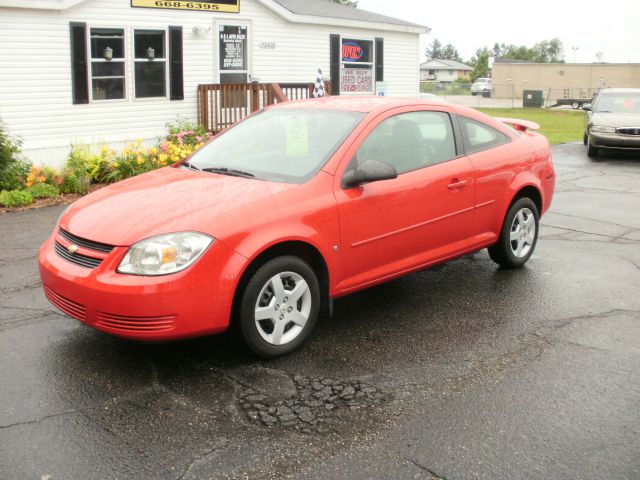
41,4
275,7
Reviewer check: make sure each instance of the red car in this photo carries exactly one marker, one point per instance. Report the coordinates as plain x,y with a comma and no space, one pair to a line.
292,207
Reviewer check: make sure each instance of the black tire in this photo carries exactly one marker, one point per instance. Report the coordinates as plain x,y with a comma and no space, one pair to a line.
585,139
592,151
575,105
473,94
251,330
502,252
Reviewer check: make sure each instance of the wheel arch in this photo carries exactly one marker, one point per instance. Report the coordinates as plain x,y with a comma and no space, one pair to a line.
297,248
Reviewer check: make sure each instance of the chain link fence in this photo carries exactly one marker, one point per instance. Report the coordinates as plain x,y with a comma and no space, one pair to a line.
507,95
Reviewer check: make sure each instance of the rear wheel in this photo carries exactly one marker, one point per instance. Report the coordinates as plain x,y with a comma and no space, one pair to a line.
519,235
279,306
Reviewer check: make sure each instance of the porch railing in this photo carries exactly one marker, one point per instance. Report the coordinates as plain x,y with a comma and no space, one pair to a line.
222,104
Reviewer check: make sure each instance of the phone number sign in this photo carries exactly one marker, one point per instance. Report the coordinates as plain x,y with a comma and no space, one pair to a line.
227,6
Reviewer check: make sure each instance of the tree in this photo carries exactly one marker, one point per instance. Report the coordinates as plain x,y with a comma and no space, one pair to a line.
480,63
546,51
350,3
436,51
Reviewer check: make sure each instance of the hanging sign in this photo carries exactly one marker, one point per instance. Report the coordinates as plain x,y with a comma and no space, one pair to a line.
233,47
228,6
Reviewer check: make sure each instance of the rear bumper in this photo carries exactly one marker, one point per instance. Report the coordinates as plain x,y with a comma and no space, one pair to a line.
194,302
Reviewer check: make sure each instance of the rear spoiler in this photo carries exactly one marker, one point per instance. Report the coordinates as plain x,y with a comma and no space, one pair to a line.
521,125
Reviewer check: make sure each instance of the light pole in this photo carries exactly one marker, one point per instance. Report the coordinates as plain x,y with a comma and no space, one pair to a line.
574,53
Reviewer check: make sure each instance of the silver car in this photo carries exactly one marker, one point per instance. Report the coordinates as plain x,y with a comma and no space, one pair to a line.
613,120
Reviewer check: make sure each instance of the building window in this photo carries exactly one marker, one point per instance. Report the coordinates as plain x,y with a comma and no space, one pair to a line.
107,64
150,63
356,67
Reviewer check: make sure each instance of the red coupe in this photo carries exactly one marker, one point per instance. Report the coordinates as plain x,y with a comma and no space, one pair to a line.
294,206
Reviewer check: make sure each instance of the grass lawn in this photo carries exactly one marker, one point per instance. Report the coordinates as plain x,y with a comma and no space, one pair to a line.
559,126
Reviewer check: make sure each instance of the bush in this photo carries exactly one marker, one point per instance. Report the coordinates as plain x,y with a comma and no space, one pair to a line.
9,150
44,190
15,176
71,184
15,198
83,162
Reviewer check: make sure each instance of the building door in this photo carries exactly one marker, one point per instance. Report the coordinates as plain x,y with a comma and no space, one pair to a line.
233,52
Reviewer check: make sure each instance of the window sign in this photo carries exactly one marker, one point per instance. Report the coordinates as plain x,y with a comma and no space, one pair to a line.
356,51
356,80
356,67
233,48
228,6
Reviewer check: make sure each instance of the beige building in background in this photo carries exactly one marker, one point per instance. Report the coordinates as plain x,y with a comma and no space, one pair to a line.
562,80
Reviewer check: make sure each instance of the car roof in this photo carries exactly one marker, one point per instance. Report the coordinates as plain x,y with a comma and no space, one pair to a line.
365,104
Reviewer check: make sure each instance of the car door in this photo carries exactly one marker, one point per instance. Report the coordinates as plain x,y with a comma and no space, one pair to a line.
393,226
496,161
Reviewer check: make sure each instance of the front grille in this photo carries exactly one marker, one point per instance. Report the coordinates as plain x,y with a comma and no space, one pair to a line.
127,323
69,307
635,131
88,244
77,258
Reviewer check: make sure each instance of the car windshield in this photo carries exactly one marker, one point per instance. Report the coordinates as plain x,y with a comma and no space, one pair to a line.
283,145
618,103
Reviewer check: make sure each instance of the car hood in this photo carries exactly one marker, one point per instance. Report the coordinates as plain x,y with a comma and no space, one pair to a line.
165,201
615,119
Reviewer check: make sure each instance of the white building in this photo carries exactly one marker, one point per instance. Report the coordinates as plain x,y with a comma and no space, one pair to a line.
443,71
92,72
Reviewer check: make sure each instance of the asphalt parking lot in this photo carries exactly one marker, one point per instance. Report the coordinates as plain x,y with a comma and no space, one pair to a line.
464,371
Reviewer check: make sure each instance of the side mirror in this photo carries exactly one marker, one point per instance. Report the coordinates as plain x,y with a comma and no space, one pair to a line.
369,171
587,107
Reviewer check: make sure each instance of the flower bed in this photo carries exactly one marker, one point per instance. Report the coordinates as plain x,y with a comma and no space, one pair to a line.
23,185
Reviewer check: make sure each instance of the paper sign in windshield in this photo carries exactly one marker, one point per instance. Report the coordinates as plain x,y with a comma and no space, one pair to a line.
297,138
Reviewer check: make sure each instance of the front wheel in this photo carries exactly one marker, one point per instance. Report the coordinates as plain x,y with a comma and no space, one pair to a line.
592,151
519,235
279,306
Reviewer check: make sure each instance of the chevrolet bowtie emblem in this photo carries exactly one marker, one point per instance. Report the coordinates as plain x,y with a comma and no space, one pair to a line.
72,249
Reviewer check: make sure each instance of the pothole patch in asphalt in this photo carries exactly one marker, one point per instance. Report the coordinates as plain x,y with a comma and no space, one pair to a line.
307,404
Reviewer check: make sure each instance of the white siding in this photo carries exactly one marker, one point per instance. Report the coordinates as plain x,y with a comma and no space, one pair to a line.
35,69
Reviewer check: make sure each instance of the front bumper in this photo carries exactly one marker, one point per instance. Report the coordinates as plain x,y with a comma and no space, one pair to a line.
196,301
615,141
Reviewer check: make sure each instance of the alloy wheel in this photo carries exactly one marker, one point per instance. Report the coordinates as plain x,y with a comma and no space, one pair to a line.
523,233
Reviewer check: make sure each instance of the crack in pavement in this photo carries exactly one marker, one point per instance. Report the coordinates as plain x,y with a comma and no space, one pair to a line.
434,475
632,229
628,240
37,420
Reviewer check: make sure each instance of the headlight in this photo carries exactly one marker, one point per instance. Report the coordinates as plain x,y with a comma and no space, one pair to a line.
599,129
164,254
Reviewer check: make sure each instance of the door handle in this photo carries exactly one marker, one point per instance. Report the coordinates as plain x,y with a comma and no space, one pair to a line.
457,184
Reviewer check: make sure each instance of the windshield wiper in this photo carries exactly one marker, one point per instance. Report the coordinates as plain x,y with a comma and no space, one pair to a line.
188,165
229,171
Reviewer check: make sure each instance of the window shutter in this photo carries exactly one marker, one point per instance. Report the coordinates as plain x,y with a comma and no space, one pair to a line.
175,64
79,75
379,59
335,59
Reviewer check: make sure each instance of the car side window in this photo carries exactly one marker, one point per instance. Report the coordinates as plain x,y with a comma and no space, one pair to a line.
479,136
410,141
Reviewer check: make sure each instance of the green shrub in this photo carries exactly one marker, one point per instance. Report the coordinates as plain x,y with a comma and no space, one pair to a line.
71,184
43,190
15,176
9,150
83,162
15,198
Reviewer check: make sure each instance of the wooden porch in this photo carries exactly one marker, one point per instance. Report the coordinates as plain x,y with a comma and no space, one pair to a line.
222,104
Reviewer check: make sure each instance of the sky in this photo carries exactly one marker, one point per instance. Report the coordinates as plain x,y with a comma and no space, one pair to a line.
589,26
